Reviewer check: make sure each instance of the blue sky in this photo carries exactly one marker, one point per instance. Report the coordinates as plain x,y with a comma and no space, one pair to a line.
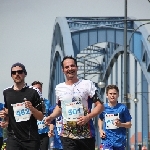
26,29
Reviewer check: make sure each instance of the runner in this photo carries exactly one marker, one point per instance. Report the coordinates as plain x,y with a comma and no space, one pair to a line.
23,106
42,128
117,118
55,131
74,98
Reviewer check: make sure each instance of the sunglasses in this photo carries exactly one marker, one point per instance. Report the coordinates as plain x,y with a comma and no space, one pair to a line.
18,71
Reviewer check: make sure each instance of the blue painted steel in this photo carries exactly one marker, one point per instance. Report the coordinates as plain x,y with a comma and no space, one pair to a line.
137,46
74,34
145,121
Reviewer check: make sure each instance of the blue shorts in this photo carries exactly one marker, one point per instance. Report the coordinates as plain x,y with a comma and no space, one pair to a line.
113,148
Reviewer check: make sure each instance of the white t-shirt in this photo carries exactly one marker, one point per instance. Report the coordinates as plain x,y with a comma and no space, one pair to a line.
74,99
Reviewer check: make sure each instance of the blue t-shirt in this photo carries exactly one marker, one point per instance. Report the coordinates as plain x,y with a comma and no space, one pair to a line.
1,129
115,137
57,130
42,128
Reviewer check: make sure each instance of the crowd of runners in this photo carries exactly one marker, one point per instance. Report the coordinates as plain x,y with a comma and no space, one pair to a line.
31,121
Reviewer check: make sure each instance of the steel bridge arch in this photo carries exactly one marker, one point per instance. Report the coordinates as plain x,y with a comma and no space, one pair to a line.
71,35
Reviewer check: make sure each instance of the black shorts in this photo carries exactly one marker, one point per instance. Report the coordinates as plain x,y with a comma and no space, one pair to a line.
15,144
1,142
78,144
44,141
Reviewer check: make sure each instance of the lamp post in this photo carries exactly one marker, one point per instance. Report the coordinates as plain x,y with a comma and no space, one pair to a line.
101,84
136,130
125,67
135,99
125,62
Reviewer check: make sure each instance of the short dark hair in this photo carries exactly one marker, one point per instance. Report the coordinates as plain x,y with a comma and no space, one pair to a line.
68,57
20,65
112,87
37,82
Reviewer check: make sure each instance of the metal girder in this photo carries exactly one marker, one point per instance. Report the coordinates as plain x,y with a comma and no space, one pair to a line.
81,23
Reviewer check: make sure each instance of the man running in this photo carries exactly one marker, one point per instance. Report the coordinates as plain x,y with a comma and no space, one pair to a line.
23,107
74,98
42,128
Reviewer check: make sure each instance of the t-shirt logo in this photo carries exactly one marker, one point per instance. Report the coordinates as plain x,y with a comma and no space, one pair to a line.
74,99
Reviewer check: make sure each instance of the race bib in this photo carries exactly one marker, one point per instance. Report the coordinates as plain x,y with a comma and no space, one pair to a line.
59,124
41,124
73,111
20,112
109,120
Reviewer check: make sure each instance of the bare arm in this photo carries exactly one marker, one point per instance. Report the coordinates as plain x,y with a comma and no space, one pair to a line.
101,131
99,107
126,125
6,110
55,114
100,124
51,130
37,114
97,110
120,124
5,122
5,118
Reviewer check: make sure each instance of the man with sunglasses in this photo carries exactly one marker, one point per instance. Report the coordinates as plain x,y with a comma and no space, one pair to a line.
23,107
42,128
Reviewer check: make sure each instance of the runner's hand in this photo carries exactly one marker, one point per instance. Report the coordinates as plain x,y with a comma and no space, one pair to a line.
3,114
48,120
117,122
51,133
28,104
83,120
102,134
4,124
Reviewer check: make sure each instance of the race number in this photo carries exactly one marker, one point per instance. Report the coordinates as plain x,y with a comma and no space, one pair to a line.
41,124
109,120
59,124
20,112
74,111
